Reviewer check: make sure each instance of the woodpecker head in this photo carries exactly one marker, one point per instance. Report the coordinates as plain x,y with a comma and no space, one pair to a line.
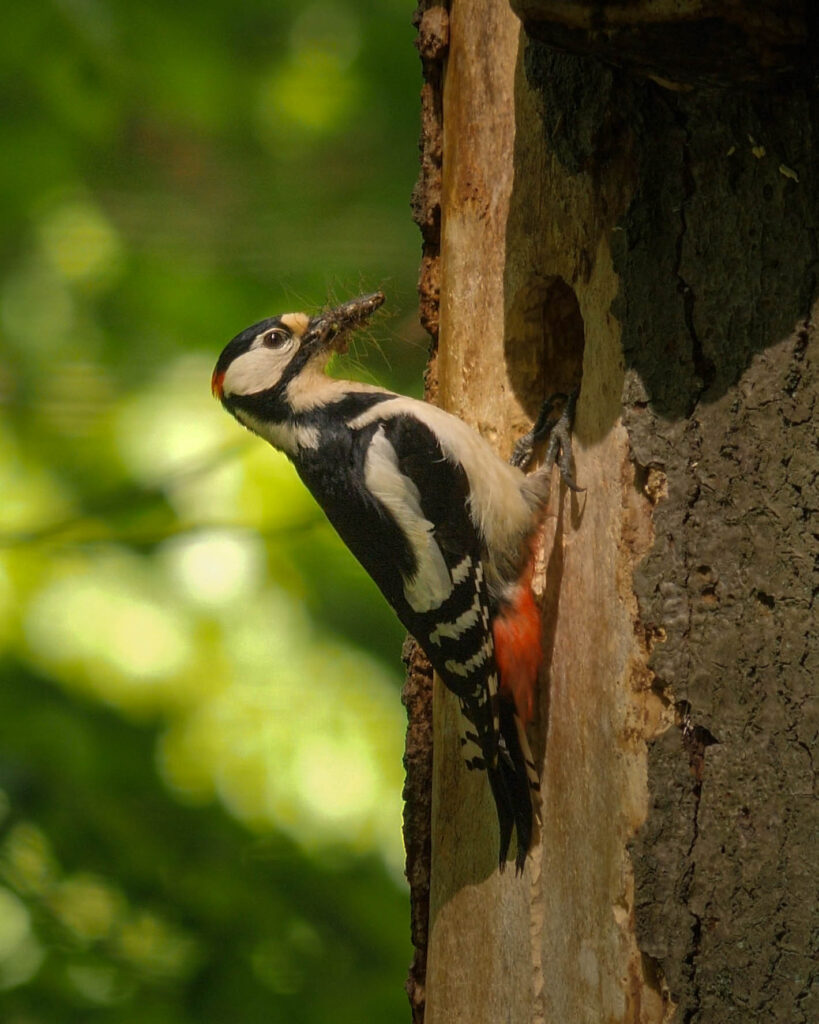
266,357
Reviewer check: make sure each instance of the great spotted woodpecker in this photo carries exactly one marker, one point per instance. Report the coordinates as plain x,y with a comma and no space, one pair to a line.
442,524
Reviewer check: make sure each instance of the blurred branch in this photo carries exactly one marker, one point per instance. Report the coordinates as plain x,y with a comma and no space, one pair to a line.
130,498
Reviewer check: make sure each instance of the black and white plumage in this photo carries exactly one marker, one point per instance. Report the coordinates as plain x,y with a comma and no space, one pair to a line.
438,520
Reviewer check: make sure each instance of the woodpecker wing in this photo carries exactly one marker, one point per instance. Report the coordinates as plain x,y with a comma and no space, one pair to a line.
444,601
445,605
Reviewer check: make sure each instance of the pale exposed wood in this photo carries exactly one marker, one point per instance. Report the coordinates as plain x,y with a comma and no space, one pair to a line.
480,972
557,944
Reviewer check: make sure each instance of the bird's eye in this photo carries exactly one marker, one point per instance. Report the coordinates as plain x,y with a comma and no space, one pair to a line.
277,337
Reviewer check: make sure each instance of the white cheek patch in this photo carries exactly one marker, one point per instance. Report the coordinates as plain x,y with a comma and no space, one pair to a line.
286,437
256,370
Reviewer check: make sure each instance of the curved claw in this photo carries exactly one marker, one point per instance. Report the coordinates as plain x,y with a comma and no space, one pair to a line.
558,431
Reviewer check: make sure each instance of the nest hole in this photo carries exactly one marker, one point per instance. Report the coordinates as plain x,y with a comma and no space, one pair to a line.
545,338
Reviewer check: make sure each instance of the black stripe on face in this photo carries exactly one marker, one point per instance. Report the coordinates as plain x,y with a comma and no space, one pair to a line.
271,404
357,402
241,343
268,406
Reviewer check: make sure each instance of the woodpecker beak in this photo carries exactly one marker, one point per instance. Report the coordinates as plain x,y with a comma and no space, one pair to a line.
331,329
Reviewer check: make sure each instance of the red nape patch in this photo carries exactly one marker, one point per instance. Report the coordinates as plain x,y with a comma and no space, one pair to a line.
517,650
216,382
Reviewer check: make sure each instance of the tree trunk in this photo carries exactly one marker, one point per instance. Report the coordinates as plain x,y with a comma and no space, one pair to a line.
649,233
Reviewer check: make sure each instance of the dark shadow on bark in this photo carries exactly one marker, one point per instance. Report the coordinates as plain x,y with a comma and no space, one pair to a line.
544,340
716,255
717,251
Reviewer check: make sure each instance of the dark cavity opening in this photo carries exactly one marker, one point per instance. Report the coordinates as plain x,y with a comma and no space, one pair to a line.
545,337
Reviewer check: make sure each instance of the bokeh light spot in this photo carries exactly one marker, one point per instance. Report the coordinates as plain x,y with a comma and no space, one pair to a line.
32,493
37,309
336,777
82,244
315,88
27,860
20,953
98,983
156,947
215,567
312,93
169,425
14,922
307,735
86,905
104,631
332,29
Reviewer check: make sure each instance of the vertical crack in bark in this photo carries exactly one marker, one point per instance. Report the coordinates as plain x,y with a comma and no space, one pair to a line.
693,736
432,21
696,739
703,365
417,698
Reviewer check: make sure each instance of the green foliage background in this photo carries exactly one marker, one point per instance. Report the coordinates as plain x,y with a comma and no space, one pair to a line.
200,725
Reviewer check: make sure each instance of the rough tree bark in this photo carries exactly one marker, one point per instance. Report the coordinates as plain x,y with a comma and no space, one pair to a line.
625,196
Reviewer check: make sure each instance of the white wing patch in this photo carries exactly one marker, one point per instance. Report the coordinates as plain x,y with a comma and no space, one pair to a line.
467,668
432,584
456,629
501,500
461,570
